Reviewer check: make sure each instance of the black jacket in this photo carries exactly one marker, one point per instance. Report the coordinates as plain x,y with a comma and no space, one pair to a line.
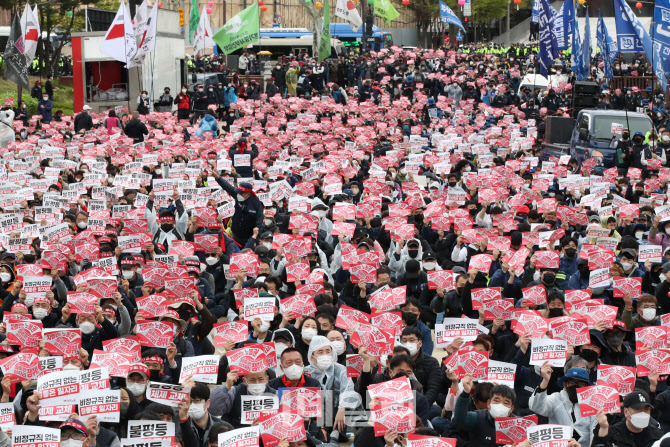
136,130
618,435
427,372
248,214
83,121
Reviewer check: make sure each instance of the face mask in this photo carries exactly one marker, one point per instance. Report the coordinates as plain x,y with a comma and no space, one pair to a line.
640,420
264,327
570,252
46,98
308,333
166,228
87,327
137,388
144,96
429,265
413,348
468,169
124,409
40,313
268,222
128,274
626,265
71,443
211,260
183,90
320,213
154,375
256,389
536,276
200,90
139,270
293,372
452,184
662,277
196,411
82,225
211,89
649,314
553,313
614,339
6,277
241,198
338,346
279,348
639,235
499,411
589,355
355,191
324,362
29,299
71,367
572,393
413,253
549,278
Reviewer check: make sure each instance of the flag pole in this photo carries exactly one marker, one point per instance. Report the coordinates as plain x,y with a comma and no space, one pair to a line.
125,50
153,57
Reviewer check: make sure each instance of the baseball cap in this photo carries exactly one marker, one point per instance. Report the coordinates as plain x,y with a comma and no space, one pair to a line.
86,107
140,368
412,268
575,374
75,424
428,255
637,399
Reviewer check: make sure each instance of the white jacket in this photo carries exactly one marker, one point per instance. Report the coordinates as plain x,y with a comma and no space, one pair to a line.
558,408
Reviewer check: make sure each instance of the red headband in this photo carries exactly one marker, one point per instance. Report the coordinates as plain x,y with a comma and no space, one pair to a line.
167,219
152,358
243,189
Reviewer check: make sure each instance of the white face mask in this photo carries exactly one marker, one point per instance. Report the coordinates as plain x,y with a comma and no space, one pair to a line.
256,389
649,314
320,214
413,348
293,372
268,222
626,265
339,346
429,265
264,327
468,168
279,348
71,367
196,411
536,276
662,277
139,270
324,362
183,90
82,225
640,420
128,274
211,260
267,245
639,235
6,277
499,411
241,198
136,388
667,231
87,327
308,333
40,314
71,443
29,299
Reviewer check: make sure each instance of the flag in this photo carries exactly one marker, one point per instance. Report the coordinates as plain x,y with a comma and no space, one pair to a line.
346,9
30,30
448,16
148,41
576,57
562,25
608,49
203,35
140,19
240,31
642,38
16,62
627,39
535,13
586,51
385,10
119,42
324,44
661,36
547,49
193,19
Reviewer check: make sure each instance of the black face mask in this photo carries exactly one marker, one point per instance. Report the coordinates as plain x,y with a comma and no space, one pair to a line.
570,252
452,184
639,193
29,259
588,354
154,375
459,290
313,265
614,339
410,318
124,408
413,253
166,228
553,313
549,278
572,393
184,314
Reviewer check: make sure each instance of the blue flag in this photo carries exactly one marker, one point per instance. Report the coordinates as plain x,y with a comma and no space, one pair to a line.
586,51
608,49
562,26
576,58
661,38
627,15
627,38
547,39
535,14
448,16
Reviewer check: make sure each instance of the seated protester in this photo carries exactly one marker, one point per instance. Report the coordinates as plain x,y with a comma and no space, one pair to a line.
646,312
562,408
168,228
400,365
128,266
333,377
43,311
89,434
591,352
480,400
214,432
94,328
410,316
127,412
545,277
226,399
568,261
446,304
403,253
308,329
200,419
136,382
427,369
340,346
555,306
478,426
157,361
193,269
636,429
283,339
326,322
618,351
260,330
166,413
118,316
184,331
631,269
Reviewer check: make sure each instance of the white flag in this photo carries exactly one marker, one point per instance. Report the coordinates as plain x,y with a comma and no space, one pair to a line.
148,42
30,30
203,34
140,19
119,41
346,9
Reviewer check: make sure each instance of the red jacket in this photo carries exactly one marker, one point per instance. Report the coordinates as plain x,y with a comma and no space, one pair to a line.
184,101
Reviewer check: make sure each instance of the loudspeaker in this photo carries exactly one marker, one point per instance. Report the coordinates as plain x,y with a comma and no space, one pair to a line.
586,102
586,88
559,129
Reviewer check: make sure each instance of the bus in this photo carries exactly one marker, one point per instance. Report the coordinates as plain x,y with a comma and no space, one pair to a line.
282,47
341,31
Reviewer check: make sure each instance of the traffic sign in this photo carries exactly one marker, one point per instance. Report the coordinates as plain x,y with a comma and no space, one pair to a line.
459,36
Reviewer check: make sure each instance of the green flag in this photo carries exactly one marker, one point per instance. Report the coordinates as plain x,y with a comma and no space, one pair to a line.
240,31
193,19
324,45
385,10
